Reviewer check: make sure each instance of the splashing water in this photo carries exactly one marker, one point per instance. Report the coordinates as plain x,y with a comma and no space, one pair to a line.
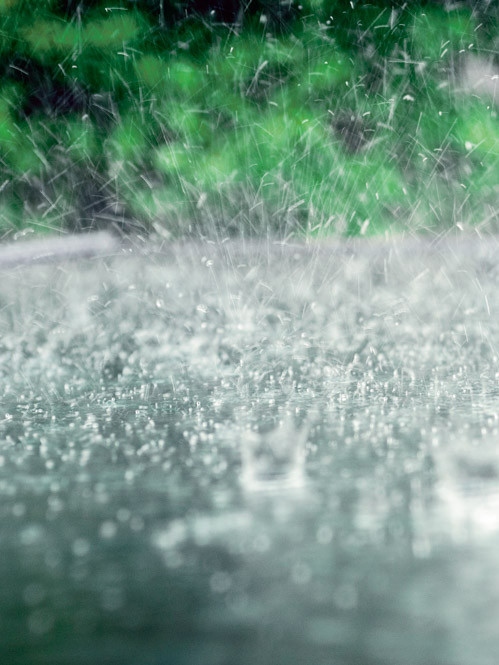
252,453
275,459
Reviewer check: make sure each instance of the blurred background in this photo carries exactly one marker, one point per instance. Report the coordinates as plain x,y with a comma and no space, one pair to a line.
299,117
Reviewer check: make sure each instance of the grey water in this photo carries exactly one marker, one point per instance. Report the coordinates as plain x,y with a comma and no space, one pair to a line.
232,453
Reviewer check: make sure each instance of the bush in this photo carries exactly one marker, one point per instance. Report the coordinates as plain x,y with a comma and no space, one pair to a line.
307,118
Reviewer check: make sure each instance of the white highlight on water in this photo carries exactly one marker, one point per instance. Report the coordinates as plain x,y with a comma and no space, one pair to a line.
275,459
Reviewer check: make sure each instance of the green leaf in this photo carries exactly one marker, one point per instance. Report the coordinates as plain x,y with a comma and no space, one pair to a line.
435,33
129,141
184,78
172,159
80,140
52,36
151,71
112,32
478,130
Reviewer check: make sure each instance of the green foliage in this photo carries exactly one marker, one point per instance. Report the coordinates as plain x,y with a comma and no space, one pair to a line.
150,71
478,130
313,118
51,37
80,141
172,159
111,32
437,34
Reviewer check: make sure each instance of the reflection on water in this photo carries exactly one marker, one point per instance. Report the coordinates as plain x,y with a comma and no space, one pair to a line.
264,455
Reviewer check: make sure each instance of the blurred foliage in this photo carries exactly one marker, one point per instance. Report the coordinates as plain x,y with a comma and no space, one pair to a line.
320,116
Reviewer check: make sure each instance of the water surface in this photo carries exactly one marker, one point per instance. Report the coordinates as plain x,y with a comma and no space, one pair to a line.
225,454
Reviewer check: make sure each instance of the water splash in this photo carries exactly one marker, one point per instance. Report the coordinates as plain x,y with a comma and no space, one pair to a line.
467,487
274,459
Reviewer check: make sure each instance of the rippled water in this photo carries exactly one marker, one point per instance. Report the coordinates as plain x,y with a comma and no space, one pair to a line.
230,454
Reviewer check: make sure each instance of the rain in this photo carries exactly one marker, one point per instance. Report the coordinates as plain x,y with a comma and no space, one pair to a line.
238,462
249,336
